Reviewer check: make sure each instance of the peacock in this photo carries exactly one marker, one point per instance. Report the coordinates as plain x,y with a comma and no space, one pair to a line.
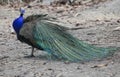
39,32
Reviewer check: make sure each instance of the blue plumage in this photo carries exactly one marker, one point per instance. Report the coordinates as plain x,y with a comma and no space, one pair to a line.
18,22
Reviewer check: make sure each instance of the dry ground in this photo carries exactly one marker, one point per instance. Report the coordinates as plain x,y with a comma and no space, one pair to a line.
99,26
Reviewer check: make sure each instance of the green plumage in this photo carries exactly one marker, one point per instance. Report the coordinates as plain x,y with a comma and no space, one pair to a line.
54,39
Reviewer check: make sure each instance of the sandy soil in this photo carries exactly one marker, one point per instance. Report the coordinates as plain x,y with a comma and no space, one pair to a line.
99,26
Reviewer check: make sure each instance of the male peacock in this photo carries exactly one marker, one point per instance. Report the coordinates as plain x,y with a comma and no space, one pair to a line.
37,31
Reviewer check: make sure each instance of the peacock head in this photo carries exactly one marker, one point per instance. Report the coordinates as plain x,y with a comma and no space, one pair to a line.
18,22
22,11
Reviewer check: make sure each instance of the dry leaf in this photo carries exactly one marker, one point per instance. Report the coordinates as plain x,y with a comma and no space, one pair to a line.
99,66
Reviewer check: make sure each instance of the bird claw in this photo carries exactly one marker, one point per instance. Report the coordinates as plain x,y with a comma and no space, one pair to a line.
32,55
29,56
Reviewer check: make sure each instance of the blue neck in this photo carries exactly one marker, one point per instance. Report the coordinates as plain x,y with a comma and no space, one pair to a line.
21,15
18,23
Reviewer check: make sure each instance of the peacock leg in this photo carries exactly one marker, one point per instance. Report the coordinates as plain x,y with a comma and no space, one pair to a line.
32,53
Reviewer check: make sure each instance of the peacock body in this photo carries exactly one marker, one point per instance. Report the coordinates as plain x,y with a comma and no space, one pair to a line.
40,33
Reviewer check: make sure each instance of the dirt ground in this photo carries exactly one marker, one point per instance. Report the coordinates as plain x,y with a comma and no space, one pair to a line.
100,26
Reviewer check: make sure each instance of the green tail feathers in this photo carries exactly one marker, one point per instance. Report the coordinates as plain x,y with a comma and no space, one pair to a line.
75,50
63,45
